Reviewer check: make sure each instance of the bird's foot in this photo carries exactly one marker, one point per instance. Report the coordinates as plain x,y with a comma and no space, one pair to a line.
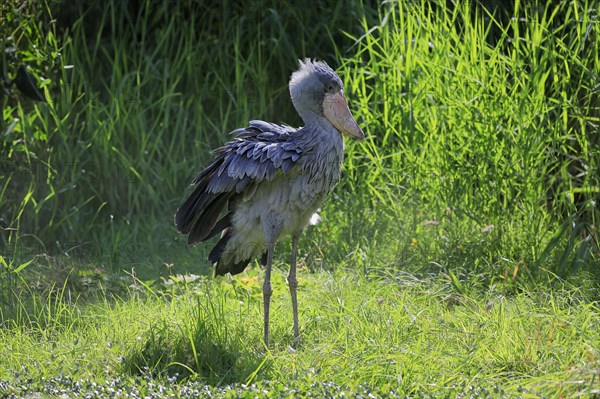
296,342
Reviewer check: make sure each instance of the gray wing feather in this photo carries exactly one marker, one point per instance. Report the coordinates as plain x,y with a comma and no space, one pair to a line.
258,153
287,165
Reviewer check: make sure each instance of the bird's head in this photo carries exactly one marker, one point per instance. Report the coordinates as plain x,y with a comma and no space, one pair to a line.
316,90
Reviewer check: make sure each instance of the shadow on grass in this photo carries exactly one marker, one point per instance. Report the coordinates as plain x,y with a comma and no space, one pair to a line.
204,346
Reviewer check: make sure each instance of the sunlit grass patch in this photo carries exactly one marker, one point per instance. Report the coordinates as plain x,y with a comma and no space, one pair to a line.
403,335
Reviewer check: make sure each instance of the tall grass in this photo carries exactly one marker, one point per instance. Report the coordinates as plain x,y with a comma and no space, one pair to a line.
481,158
489,141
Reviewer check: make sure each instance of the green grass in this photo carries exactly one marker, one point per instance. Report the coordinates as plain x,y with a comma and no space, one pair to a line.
472,133
485,121
458,256
387,333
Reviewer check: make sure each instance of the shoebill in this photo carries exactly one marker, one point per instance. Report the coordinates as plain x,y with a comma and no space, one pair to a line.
269,181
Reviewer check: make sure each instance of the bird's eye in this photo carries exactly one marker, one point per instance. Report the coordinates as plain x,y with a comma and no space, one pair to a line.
330,88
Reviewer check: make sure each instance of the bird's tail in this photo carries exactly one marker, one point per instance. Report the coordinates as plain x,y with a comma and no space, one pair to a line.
199,215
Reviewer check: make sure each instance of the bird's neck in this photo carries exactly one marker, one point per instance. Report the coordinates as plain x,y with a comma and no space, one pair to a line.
318,133
323,153
308,116
318,124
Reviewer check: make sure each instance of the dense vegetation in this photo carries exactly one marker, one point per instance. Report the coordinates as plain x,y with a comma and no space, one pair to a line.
473,197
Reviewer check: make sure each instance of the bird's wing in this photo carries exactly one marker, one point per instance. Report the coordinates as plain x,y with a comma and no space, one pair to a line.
258,153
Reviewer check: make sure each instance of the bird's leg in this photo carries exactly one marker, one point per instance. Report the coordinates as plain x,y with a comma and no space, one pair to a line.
293,283
268,290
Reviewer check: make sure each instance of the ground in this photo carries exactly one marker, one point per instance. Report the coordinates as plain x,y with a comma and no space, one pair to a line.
384,335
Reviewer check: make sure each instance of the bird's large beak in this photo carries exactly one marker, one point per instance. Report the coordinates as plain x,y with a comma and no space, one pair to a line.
337,112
